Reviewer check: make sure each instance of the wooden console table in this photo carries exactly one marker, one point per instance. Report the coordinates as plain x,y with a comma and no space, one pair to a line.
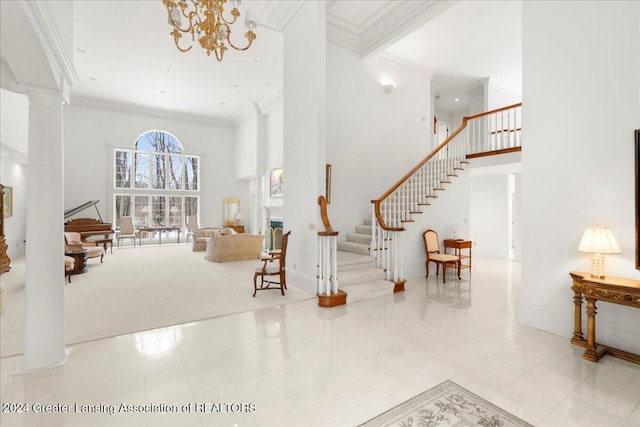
610,289
457,245
80,260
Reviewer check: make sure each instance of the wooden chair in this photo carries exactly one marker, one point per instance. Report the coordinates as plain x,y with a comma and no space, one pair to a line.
432,249
273,265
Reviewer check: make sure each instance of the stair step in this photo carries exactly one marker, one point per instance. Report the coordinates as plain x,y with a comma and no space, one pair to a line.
359,238
360,275
368,290
408,220
356,248
416,212
440,189
368,221
352,261
424,204
363,229
452,175
445,182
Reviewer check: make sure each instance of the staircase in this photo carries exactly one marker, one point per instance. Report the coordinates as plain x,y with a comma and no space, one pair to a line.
376,247
358,276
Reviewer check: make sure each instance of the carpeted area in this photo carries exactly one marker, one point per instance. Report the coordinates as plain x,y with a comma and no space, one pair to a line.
446,404
142,288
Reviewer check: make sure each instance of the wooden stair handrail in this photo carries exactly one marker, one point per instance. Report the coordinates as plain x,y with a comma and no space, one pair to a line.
328,230
435,151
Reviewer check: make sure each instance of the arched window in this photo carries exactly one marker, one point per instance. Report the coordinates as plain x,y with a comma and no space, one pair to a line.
155,182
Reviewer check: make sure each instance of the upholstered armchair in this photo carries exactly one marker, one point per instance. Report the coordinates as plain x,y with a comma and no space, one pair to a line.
72,241
69,264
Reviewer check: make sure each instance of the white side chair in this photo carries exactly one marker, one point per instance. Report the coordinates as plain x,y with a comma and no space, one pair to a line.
127,231
192,224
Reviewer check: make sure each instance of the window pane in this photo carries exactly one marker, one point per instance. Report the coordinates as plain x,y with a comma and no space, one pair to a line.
159,171
159,210
160,142
175,211
142,211
123,169
191,173
190,206
123,207
175,173
142,170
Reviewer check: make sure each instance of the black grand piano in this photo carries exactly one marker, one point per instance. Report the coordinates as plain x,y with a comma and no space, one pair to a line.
87,227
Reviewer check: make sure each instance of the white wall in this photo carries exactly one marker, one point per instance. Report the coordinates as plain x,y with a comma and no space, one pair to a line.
581,78
14,127
90,134
499,96
304,143
489,214
14,174
14,120
274,130
246,152
373,137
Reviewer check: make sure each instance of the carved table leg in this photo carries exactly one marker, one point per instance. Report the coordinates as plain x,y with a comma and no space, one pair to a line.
593,351
577,339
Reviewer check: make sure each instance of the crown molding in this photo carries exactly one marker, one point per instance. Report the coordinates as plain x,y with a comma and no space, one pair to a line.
276,15
121,107
38,15
397,19
262,102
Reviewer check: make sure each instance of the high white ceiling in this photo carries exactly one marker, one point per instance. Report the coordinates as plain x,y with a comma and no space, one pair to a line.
124,56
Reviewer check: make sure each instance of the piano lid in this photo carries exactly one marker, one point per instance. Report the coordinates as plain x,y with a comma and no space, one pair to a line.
70,212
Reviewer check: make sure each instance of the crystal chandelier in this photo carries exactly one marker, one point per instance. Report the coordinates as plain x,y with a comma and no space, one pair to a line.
205,21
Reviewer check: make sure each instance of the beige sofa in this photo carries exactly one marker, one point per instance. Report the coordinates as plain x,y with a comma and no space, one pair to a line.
201,235
234,247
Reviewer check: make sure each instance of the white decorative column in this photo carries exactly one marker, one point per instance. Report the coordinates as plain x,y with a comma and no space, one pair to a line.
44,288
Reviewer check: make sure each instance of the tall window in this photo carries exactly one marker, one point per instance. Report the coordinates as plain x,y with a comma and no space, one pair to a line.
156,183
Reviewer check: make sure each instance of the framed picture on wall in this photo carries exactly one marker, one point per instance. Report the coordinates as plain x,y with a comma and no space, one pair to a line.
7,201
637,147
276,188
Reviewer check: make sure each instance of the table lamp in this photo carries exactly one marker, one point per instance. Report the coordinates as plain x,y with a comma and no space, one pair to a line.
237,218
598,240
454,229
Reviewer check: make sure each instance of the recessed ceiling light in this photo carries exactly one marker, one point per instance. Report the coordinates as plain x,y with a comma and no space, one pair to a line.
456,99
222,103
168,70
93,79
162,91
81,50
258,59
236,86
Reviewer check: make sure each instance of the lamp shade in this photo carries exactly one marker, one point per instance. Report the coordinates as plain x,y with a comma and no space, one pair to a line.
599,239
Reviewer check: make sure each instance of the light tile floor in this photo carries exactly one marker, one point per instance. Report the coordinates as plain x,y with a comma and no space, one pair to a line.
301,365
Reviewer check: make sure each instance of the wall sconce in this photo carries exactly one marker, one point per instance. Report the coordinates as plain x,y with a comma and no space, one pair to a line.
388,87
598,240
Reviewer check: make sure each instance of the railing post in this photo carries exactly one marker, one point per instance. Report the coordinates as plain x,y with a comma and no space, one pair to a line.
328,293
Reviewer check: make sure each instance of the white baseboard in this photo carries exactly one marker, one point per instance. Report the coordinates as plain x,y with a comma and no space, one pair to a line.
562,324
302,281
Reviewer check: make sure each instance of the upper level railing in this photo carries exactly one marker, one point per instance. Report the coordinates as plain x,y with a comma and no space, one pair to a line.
492,131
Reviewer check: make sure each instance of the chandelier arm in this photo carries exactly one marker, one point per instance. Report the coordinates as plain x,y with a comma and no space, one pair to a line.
235,13
250,35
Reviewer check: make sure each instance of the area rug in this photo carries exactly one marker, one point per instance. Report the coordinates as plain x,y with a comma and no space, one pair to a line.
446,404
